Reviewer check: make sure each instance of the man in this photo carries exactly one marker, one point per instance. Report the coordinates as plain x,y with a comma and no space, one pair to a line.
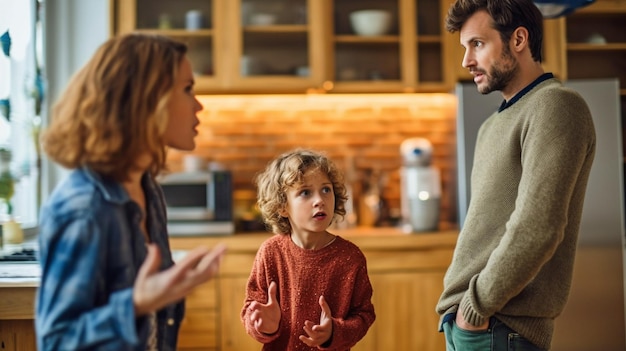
511,271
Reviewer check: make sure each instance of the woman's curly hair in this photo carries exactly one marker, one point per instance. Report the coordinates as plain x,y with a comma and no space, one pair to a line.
287,171
114,109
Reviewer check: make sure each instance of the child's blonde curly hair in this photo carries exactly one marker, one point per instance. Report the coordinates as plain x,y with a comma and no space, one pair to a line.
287,171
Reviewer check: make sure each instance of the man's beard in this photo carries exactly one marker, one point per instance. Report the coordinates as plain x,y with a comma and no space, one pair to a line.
500,74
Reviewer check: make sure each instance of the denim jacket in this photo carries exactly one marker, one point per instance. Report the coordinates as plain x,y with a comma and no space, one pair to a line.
90,250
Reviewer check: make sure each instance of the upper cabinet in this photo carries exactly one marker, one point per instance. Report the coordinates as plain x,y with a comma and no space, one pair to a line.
273,45
195,22
302,45
596,42
388,46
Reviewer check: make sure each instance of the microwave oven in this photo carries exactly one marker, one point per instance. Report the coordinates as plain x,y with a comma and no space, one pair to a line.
198,203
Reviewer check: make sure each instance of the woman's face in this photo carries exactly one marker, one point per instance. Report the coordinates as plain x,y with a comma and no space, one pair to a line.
183,107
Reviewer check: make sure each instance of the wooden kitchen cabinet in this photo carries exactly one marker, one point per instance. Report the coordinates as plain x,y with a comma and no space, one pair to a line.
17,327
406,272
199,328
244,45
274,45
411,58
294,46
168,18
407,285
595,42
17,335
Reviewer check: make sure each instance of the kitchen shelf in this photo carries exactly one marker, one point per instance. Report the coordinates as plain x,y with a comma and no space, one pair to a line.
429,39
180,33
361,39
283,28
596,47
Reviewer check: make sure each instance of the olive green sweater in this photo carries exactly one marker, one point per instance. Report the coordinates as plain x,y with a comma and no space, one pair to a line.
515,253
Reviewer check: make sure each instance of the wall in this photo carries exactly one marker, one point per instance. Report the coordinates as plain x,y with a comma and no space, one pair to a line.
244,132
73,30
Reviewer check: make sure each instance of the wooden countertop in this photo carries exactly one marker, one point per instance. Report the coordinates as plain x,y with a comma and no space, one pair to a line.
379,239
367,238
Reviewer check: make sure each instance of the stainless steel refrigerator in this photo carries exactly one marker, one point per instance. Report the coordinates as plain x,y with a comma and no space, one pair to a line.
594,316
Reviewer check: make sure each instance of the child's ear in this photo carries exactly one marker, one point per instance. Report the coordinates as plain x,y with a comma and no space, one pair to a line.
283,212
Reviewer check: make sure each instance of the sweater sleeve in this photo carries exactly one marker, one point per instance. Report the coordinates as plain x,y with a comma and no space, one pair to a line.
557,144
256,290
348,331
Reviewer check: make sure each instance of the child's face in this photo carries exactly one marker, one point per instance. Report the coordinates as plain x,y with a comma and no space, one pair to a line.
311,204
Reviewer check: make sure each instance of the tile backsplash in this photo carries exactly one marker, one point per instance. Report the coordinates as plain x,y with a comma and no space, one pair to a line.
360,132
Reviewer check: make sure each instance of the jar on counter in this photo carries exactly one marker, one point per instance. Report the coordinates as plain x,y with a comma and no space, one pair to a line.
12,233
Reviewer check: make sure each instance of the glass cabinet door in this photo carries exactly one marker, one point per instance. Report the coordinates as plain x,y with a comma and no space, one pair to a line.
430,45
190,21
367,45
398,47
277,45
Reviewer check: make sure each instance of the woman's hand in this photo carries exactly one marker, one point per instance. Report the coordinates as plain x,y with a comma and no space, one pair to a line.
153,289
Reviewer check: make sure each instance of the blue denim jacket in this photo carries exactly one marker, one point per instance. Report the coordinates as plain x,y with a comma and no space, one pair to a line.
90,250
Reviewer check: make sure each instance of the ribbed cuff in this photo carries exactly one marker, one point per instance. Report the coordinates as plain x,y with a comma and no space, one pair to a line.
466,306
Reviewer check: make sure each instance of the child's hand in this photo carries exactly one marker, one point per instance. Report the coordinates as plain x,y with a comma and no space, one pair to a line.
320,333
266,317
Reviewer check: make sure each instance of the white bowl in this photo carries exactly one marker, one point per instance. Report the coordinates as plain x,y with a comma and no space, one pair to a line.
371,22
262,19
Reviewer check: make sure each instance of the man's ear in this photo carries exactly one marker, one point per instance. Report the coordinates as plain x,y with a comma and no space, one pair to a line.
519,39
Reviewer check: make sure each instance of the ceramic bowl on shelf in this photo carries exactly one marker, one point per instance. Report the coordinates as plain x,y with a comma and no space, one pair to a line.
262,19
371,22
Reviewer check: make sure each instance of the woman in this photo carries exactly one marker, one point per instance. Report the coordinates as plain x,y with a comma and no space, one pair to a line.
108,279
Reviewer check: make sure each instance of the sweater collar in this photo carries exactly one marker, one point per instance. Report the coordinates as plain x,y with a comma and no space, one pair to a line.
506,104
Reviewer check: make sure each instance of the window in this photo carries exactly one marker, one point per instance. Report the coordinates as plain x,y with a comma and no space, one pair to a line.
21,96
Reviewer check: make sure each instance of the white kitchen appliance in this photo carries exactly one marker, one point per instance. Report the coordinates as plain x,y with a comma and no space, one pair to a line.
420,187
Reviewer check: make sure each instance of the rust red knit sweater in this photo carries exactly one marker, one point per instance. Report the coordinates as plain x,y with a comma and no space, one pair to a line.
337,271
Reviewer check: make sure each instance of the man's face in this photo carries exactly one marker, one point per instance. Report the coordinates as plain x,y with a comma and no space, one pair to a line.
488,59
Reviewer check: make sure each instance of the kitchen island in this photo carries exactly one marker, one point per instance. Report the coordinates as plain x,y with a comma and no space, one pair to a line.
406,271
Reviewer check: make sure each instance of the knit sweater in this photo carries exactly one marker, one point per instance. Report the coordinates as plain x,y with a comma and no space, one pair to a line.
337,271
515,253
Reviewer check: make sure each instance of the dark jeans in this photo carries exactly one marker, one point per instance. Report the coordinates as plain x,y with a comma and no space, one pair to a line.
498,337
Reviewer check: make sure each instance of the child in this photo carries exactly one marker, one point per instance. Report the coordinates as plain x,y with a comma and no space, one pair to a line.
308,288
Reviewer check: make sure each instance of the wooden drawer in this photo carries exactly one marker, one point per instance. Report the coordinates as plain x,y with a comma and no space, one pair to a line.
204,296
199,329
